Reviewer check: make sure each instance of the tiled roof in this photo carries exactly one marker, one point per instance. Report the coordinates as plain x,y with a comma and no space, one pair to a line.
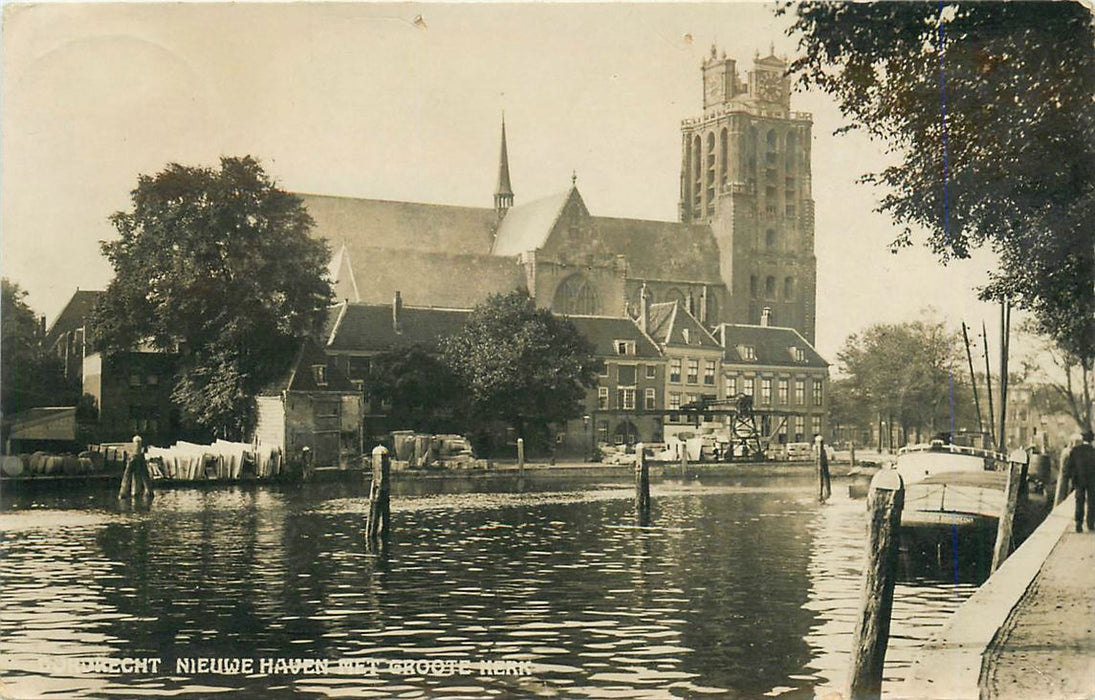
661,249
603,331
370,327
300,377
526,226
73,316
668,321
377,223
773,345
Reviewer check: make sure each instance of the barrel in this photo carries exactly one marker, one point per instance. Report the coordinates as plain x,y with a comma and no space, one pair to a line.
70,465
38,463
12,466
54,465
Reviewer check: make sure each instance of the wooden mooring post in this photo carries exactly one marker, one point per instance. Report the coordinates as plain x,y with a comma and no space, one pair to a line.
872,627
642,486
684,459
378,522
1006,522
520,456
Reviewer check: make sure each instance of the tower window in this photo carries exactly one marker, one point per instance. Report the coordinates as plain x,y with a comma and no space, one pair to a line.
753,286
788,288
770,238
769,287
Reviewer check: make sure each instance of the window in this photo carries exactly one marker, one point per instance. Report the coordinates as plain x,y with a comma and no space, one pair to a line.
674,400
732,385
693,371
604,369
815,423
817,392
576,295
358,367
153,380
770,234
650,399
748,386
651,371
691,399
134,379
602,431
753,283
319,372
625,396
709,372
602,397
800,392
800,428
747,352
359,384
799,353
625,347
788,287
675,370
789,210
769,287
625,375
766,391
782,389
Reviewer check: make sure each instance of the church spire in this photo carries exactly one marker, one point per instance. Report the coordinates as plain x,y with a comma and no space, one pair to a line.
503,193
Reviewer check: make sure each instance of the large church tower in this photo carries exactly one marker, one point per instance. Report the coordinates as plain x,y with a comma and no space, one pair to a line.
745,171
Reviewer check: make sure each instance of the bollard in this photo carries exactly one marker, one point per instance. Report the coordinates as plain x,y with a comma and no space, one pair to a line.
378,524
821,466
642,485
684,459
1007,517
872,628
520,456
853,455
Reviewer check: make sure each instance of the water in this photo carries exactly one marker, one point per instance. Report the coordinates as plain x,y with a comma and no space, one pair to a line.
737,589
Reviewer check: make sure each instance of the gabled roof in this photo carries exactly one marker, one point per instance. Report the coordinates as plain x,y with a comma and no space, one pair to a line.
668,322
661,249
370,327
773,345
73,316
603,331
527,226
301,377
440,228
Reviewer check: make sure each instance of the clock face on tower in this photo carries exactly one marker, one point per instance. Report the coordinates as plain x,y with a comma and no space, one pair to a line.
769,88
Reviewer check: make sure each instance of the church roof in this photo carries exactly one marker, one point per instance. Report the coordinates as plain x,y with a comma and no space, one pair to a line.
428,278
669,323
527,226
662,249
400,225
772,345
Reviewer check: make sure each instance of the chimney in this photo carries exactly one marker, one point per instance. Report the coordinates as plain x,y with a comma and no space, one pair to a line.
765,315
644,307
397,313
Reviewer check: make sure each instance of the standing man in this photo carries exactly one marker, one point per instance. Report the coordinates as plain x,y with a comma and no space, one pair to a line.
1079,467
824,484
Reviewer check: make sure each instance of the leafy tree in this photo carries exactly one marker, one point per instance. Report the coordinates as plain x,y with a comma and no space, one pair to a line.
908,373
988,108
216,264
29,375
521,365
422,391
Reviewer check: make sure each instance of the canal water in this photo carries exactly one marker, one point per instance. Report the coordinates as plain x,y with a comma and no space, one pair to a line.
740,588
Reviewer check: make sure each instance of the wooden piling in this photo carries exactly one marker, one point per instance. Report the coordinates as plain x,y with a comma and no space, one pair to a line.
521,456
872,629
684,459
824,483
378,524
1007,516
127,478
1062,489
642,484
853,454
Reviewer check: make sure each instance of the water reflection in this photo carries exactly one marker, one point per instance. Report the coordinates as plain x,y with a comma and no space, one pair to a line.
743,589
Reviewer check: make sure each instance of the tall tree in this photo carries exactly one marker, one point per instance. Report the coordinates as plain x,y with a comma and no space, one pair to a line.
218,265
988,107
521,365
29,375
907,373
423,393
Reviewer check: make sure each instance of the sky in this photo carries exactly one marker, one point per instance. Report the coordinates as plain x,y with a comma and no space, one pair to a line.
403,102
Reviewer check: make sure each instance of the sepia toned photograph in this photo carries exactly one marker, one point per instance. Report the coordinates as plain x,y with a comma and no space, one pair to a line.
617,350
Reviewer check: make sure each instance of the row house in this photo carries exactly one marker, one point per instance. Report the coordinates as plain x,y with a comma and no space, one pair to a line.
784,374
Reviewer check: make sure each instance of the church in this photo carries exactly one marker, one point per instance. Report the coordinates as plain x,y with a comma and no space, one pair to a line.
742,251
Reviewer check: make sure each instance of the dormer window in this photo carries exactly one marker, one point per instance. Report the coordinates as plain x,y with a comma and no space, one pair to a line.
747,352
687,336
625,347
798,353
319,372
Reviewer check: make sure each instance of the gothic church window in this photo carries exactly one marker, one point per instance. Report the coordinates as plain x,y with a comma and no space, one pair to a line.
722,157
770,239
576,296
789,288
769,287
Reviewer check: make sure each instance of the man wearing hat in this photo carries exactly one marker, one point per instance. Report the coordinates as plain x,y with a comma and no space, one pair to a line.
1079,467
